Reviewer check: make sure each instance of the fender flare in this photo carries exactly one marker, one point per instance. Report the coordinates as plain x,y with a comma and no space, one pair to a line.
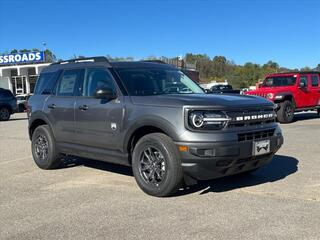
149,121
36,116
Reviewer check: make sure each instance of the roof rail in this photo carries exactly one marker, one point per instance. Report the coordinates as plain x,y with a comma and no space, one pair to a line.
79,60
154,61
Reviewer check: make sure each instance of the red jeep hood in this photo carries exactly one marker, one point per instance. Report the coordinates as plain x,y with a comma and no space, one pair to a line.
268,90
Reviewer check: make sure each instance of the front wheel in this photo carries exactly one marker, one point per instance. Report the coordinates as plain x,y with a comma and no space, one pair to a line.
286,112
4,114
156,165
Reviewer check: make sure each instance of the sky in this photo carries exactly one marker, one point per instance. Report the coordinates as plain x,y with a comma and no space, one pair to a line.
284,31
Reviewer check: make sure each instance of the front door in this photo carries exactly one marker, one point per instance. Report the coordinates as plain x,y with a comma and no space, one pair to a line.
315,90
60,106
98,121
19,85
304,97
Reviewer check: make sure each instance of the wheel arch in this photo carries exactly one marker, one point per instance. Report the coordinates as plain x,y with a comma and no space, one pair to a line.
37,119
286,96
141,129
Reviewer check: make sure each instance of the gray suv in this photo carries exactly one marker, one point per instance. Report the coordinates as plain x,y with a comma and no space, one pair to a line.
150,116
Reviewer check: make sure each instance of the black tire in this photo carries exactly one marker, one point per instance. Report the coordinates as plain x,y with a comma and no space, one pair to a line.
4,114
44,149
286,112
160,175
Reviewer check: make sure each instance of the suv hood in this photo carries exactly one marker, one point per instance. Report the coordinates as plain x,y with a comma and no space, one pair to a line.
219,101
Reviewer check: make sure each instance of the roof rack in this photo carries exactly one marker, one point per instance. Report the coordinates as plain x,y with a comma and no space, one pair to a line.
153,61
80,60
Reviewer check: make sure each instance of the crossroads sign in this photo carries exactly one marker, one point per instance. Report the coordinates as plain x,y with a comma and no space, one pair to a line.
31,57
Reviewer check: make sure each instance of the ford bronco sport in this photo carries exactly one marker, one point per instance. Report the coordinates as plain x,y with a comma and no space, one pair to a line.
149,116
293,92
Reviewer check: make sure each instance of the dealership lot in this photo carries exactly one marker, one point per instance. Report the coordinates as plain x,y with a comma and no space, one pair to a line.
89,199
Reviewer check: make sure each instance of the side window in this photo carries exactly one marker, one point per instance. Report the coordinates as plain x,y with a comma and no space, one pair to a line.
45,83
95,79
304,79
315,80
69,81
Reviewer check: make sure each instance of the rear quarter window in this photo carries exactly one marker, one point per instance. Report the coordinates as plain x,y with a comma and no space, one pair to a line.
45,83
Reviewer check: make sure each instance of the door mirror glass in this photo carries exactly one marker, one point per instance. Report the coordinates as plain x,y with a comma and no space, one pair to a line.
303,82
105,93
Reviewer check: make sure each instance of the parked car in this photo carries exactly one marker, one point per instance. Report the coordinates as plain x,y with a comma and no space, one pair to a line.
221,88
8,104
150,116
21,102
293,92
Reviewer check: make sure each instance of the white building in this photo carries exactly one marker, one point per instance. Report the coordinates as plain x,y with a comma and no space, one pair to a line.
20,76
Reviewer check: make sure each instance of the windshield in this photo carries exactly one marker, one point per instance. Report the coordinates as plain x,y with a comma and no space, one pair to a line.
146,81
280,81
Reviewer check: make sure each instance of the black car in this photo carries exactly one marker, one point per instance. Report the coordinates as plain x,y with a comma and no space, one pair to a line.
150,116
8,104
221,88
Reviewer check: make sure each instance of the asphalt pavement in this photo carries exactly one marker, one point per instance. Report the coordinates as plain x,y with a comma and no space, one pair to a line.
95,200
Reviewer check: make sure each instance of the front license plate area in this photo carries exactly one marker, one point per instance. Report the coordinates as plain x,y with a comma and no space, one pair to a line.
261,147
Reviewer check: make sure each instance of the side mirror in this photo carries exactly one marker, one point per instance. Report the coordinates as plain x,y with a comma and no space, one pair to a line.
302,85
105,93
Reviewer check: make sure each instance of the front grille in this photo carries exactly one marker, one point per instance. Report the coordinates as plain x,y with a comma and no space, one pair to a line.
264,95
251,117
249,136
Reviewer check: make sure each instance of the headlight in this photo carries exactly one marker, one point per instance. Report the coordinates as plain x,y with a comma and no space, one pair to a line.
207,120
270,95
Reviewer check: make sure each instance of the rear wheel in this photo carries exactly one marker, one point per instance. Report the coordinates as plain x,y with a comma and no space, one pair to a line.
156,165
286,112
4,114
43,148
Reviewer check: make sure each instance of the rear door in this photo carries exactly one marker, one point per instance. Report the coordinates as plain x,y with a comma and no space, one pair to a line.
98,121
315,89
60,105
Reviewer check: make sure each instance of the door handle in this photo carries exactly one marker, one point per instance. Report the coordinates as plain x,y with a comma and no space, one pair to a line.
52,106
83,107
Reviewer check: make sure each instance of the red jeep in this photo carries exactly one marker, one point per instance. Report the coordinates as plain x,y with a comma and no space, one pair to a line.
293,92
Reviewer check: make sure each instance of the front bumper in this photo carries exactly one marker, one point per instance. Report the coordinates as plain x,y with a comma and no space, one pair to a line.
204,161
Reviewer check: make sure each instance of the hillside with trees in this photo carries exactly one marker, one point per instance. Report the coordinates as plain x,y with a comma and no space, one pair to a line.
218,68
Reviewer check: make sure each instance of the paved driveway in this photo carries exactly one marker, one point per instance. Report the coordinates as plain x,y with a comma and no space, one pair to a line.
95,200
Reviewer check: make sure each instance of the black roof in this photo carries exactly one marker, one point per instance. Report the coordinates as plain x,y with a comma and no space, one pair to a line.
297,72
103,61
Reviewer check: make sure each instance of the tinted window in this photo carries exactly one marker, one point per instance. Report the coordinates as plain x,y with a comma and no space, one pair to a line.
6,94
280,81
315,80
139,82
69,81
304,79
45,83
97,78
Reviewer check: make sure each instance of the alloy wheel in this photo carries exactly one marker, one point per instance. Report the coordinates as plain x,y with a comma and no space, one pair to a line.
152,166
4,113
41,147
